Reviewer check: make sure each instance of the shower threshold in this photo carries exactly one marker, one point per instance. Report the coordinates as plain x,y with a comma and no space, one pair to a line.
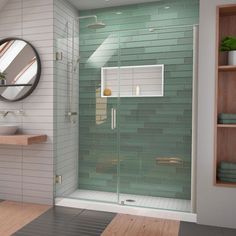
176,209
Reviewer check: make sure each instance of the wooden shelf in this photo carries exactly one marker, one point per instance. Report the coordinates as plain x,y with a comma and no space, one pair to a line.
227,10
226,125
224,184
227,68
22,139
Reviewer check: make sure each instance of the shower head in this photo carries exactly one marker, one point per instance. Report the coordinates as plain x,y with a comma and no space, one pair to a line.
96,25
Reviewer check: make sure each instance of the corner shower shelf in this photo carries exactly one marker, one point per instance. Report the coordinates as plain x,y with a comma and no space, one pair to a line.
14,85
22,139
133,81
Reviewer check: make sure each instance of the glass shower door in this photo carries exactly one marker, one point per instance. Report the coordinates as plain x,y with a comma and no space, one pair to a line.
98,136
155,118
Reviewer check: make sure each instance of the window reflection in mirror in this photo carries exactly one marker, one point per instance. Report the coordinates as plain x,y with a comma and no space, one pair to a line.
20,65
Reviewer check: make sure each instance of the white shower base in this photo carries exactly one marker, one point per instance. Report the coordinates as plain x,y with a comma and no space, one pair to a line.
175,209
139,200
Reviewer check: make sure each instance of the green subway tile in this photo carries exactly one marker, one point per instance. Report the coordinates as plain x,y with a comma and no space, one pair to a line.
148,127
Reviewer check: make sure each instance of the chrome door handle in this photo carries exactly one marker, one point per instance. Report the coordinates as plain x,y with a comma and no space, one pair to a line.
113,118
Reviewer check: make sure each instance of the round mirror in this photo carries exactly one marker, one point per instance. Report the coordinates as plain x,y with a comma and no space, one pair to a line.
20,69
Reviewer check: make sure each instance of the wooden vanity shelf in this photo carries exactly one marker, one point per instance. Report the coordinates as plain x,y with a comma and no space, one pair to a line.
22,139
225,134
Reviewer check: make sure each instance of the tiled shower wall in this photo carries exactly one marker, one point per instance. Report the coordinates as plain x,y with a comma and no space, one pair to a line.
147,127
26,173
66,130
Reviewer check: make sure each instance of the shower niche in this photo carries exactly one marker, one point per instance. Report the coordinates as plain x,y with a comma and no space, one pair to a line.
133,81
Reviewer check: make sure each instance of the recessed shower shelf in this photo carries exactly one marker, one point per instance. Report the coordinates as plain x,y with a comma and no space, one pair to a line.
22,139
133,81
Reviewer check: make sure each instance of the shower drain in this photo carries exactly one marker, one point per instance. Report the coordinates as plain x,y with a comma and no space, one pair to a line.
130,200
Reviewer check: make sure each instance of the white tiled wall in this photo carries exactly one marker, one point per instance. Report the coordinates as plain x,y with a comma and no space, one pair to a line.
26,173
66,135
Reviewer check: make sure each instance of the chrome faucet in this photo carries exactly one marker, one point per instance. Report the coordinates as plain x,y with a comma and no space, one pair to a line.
5,113
16,112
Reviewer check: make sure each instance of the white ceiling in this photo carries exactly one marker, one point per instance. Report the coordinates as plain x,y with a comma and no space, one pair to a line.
93,4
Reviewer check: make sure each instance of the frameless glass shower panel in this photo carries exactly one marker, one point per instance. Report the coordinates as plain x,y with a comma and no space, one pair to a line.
98,150
66,101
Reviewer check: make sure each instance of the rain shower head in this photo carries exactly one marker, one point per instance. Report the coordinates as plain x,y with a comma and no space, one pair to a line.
96,24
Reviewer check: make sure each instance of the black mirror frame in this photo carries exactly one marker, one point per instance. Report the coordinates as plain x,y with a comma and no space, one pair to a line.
38,75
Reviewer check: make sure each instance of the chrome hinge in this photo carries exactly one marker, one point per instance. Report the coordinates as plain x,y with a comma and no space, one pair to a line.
58,179
59,56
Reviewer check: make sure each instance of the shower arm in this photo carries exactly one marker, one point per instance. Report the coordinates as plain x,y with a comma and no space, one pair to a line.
87,17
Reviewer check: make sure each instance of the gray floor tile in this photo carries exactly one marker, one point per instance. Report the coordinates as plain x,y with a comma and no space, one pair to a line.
229,232
192,229
62,221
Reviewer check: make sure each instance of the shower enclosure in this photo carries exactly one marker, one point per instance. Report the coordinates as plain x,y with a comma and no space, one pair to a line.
136,139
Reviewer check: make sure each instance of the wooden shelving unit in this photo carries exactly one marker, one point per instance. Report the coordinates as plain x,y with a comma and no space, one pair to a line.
227,68
225,134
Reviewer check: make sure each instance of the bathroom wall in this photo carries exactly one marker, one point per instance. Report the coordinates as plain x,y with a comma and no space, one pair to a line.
215,205
26,173
2,3
148,127
65,130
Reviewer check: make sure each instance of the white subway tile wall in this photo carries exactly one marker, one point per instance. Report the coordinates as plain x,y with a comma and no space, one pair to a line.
26,173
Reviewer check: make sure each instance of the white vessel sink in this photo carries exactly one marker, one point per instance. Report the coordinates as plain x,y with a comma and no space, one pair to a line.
8,129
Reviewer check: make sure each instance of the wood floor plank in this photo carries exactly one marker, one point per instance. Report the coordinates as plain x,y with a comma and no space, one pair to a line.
15,215
129,225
